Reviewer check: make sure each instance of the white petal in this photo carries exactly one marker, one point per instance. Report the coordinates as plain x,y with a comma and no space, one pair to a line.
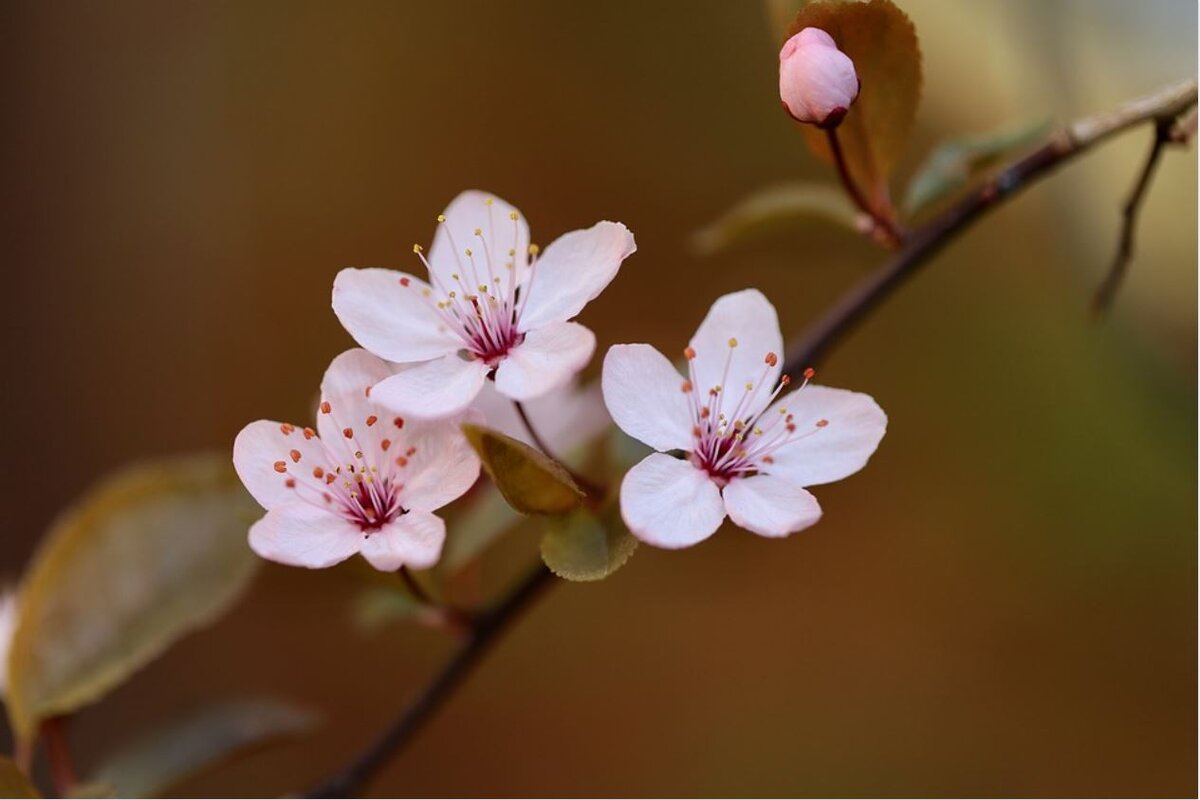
346,388
816,455
749,318
441,466
548,358
669,503
264,447
392,320
467,213
303,535
413,540
432,390
572,271
645,396
566,417
770,506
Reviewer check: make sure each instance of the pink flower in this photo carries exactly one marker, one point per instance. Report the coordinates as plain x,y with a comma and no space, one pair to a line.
817,82
749,451
365,481
493,308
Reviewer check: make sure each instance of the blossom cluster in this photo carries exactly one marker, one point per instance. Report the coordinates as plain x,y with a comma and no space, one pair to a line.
492,324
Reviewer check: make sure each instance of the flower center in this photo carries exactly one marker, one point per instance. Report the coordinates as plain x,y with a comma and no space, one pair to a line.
482,299
739,442
359,478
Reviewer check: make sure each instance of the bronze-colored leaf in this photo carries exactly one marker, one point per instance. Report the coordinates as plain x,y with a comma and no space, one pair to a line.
530,481
584,547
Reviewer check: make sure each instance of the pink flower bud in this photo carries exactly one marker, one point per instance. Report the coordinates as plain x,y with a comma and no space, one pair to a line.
817,82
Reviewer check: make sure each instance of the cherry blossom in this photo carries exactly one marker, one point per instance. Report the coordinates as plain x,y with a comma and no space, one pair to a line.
817,81
364,481
749,447
495,307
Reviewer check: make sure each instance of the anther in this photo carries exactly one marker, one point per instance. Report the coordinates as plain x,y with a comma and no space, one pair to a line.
295,454
281,466
514,216
534,249
417,248
405,281
479,232
398,422
821,423
385,444
309,433
441,217
784,380
771,359
732,342
809,373
348,433
686,387
325,407
371,420
318,473
290,483
287,429
689,353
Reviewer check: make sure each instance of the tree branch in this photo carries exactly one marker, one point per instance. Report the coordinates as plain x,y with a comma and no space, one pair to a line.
1079,137
350,780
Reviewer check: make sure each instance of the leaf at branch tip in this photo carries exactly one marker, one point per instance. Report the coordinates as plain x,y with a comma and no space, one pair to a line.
530,481
774,207
881,41
952,165
13,782
150,766
152,553
584,547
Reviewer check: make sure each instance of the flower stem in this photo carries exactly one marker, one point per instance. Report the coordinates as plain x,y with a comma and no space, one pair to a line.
593,490
883,223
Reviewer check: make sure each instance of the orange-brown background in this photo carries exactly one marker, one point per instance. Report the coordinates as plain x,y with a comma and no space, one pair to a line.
1002,603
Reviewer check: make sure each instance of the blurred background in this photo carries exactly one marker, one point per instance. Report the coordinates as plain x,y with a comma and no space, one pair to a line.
1002,603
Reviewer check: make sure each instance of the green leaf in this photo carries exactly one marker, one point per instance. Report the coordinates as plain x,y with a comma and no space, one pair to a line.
952,165
13,782
882,43
150,554
531,482
377,606
583,547
150,766
775,207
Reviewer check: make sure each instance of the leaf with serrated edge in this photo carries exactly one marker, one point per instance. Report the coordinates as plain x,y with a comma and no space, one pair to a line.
583,547
152,553
952,165
775,206
881,41
199,741
530,481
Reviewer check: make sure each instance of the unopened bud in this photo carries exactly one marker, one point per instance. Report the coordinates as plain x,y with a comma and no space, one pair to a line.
817,81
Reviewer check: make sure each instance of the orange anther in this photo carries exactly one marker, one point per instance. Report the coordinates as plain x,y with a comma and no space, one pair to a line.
287,429
771,359
821,423
405,281
689,353
295,454
309,433
686,387
348,433
809,373
385,444
398,422
325,407
281,466
785,380
371,420
318,473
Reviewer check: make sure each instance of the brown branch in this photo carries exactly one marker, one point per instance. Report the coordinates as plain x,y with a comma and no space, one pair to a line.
1073,140
58,753
885,227
1167,105
1107,290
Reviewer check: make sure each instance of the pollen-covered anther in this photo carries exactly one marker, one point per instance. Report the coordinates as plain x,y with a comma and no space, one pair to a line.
771,359
295,454
809,373
348,433
732,342
784,380
441,217
417,249
318,473
371,420
280,466
309,433
287,429
326,408
534,249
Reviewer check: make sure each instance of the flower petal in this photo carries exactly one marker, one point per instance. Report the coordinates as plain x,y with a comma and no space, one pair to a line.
468,212
821,454
440,464
644,394
265,453
303,535
669,503
770,506
566,417
412,540
346,393
572,271
748,318
548,358
432,390
391,319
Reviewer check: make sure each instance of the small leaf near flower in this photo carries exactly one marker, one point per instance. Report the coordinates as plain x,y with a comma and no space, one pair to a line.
952,165
150,766
152,553
776,207
13,782
584,547
881,41
530,481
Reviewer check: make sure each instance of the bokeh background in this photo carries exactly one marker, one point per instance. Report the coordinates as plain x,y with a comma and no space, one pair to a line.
1003,603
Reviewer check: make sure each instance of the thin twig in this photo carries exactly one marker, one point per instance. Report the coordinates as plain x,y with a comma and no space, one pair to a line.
594,491
417,590
1107,290
892,234
350,780
820,337
922,245
58,752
